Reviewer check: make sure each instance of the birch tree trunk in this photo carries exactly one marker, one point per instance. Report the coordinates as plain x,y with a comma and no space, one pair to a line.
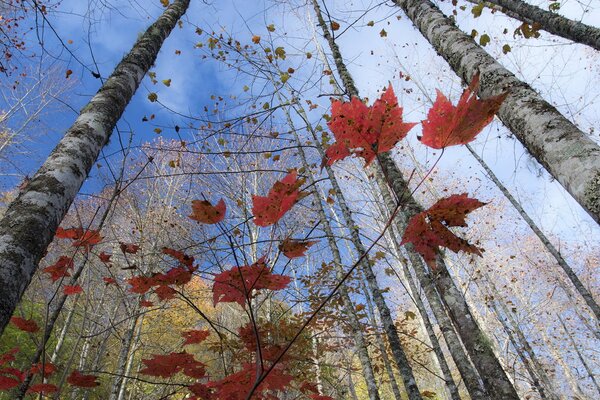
121,366
551,22
30,221
495,379
570,156
581,289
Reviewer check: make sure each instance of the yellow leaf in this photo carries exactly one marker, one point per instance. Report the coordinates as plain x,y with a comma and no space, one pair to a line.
166,82
271,28
334,26
158,131
153,97
165,3
383,33
256,39
370,23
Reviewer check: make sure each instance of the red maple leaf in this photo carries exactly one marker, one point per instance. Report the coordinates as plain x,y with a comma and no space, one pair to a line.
16,376
9,356
203,211
365,131
69,233
60,268
109,280
146,303
167,365
165,292
129,248
447,125
428,230
7,382
42,388
195,336
282,196
105,258
179,256
202,391
26,325
78,379
88,239
48,367
70,290
237,386
295,248
141,284
236,285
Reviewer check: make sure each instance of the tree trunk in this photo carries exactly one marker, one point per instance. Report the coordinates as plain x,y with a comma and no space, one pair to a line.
400,358
587,296
571,157
495,379
119,371
552,22
30,221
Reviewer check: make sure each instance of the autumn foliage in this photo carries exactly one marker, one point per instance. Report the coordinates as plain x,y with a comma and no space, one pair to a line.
281,198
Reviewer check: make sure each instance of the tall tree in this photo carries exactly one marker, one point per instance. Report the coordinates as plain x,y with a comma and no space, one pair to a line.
30,222
568,154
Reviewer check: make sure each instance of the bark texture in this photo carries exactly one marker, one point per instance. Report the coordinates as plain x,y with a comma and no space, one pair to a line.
552,22
568,154
31,220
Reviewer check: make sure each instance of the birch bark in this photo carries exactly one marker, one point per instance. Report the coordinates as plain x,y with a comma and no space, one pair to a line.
29,224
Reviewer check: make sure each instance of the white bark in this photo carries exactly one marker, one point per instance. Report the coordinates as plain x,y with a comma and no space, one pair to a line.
30,221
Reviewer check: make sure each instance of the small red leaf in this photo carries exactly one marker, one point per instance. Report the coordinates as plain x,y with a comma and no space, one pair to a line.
203,211
447,125
78,379
238,284
88,239
26,325
70,290
428,230
179,256
295,248
146,303
42,388
165,292
60,268
105,258
49,368
195,336
8,383
281,198
109,281
165,366
129,248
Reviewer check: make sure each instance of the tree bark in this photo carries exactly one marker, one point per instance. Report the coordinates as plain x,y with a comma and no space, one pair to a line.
570,156
551,22
495,379
581,289
30,221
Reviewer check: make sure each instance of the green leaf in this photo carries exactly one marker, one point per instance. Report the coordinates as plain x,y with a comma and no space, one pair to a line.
506,49
476,11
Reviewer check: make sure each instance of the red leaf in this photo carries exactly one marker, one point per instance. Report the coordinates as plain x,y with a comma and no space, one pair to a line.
70,290
203,211
8,383
282,196
179,256
78,379
200,390
69,233
26,325
165,292
237,284
49,369
60,268
237,386
43,388
195,336
129,248
428,230
167,365
88,239
105,258
295,248
366,131
109,281
140,284
8,356
320,397
447,125
146,303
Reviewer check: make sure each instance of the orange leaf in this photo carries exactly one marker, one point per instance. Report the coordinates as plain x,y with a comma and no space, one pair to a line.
295,248
428,230
447,125
203,211
281,198
26,325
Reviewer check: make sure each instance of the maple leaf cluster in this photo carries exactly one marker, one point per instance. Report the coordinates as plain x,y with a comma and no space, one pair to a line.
281,198
429,230
86,238
167,365
365,131
238,284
